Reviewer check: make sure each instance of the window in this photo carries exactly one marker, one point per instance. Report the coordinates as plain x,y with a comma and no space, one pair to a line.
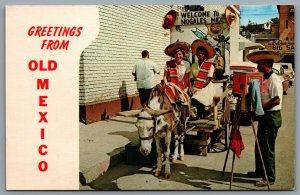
291,12
281,71
285,66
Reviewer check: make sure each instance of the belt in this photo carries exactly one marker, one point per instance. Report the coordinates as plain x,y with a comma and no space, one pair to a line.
272,111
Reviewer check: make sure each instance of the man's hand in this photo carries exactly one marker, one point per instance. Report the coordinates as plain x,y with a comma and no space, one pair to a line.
270,104
191,90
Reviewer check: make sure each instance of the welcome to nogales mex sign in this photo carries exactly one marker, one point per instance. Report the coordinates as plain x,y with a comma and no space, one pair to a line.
199,17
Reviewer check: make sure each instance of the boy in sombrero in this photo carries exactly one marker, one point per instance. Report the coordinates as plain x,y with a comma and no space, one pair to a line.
202,73
269,123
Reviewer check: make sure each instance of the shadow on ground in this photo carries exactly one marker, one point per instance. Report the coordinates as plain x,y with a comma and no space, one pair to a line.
127,134
108,181
197,177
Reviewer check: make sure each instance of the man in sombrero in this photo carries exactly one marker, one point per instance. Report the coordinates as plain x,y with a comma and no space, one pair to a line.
270,122
202,73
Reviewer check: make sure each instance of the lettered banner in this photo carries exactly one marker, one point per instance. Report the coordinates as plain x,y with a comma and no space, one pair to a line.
43,48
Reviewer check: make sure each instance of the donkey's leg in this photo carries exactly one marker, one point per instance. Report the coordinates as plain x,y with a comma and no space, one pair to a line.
167,155
175,155
159,156
182,133
181,144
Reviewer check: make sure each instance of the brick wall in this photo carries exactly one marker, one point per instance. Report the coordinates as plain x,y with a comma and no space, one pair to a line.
124,31
106,83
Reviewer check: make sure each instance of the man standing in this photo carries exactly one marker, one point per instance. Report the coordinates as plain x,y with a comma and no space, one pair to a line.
269,123
143,73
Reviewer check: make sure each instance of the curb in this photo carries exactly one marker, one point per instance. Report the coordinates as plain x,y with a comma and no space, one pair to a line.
88,175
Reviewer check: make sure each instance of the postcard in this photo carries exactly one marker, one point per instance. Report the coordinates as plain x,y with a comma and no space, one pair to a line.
150,97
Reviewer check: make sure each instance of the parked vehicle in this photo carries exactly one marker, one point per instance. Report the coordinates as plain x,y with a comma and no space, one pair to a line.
279,70
288,69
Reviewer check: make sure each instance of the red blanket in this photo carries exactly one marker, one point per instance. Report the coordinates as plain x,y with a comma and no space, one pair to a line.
174,93
237,144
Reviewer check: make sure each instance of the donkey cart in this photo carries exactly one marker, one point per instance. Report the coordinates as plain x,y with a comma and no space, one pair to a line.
208,133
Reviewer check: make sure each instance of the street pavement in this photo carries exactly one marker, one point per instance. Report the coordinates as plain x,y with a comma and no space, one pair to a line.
102,166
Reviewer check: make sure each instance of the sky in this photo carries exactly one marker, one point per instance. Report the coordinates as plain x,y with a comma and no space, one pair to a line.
258,13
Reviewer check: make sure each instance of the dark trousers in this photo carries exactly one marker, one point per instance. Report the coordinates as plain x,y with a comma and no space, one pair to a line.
144,96
268,126
200,108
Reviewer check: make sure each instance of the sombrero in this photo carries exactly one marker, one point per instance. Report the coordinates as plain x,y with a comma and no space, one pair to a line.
203,43
177,45
230,16
263,55
169,19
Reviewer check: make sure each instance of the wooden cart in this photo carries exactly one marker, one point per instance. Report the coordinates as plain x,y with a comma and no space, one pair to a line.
206,131
216,126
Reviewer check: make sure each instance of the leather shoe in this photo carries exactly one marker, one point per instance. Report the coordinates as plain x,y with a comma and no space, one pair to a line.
254,174
263,183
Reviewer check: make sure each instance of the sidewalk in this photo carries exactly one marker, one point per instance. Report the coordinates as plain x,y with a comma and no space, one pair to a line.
102,145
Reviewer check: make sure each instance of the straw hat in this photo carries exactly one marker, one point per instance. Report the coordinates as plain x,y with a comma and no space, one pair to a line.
263,55
230,16
169,19
177,45
203,43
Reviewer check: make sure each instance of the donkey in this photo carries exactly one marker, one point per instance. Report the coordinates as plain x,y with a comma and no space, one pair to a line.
159,120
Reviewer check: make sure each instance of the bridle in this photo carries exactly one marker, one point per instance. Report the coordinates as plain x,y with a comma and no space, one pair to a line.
152,128
154,118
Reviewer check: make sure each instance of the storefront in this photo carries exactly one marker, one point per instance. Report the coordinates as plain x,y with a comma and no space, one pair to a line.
219,24
287,48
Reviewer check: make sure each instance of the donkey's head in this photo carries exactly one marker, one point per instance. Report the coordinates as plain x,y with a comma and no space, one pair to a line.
150,121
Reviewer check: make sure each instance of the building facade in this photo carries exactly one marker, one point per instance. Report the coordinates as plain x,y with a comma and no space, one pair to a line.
286,22
210,24
282,35
106,83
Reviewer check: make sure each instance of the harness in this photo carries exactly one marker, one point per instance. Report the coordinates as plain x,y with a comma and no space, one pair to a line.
161,91
154,129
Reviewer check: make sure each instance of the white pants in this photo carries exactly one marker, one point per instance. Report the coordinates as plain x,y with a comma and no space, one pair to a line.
205,95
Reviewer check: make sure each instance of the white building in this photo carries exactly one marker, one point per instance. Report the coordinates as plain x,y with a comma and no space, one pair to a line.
106,83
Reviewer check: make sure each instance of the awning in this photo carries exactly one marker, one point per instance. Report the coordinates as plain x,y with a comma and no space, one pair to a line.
247,44
253,45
